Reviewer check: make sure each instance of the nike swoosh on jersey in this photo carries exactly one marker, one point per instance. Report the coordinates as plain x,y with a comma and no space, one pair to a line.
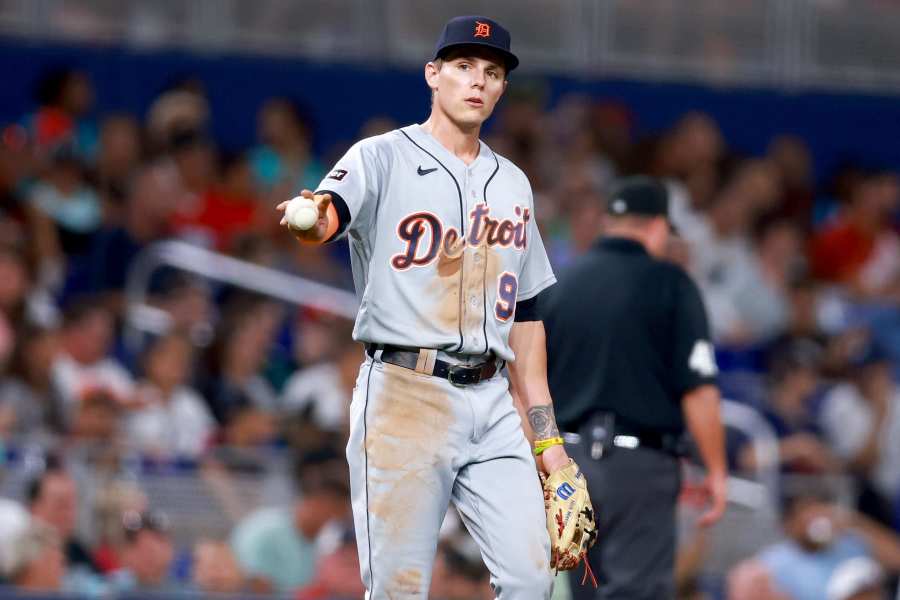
422,171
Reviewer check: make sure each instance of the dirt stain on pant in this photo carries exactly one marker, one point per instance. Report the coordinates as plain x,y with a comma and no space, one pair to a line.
406,446
406,583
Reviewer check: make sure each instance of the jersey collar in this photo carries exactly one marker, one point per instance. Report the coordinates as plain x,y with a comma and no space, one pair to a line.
448,158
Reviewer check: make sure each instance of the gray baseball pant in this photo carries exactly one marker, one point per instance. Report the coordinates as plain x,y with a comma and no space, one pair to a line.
417,443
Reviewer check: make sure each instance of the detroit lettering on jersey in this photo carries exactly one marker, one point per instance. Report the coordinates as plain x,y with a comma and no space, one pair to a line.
420,226
442,250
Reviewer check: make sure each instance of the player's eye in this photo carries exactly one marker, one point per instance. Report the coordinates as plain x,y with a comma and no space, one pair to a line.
492,74
464,66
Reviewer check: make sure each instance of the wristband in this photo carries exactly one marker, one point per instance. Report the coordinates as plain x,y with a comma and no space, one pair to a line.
541,445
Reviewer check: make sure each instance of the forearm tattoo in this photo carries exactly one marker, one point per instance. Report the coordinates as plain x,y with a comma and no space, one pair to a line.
542,422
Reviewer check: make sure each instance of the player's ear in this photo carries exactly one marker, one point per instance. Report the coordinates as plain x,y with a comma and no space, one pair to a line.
431,75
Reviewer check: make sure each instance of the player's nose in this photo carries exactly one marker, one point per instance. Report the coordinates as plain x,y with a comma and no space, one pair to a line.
478,78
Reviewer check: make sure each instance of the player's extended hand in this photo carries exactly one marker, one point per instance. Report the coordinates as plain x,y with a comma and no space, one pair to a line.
318,232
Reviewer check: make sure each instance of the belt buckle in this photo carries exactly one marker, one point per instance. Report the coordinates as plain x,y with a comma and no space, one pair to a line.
627,441
452,370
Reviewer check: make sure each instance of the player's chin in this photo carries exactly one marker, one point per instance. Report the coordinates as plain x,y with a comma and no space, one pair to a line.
473,117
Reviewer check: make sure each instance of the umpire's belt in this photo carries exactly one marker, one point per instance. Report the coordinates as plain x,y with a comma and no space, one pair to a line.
603,428
424,361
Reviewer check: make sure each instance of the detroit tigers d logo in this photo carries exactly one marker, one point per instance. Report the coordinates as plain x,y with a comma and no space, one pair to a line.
482,30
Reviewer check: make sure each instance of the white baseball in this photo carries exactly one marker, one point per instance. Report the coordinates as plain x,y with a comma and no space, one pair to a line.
301,213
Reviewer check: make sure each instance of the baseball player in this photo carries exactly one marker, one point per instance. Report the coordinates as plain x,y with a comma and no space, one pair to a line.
447,262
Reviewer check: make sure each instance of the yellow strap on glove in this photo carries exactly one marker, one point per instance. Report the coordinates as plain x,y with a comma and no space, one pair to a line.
570,518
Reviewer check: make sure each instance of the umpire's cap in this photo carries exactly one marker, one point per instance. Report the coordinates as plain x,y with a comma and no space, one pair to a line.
639,195
476,31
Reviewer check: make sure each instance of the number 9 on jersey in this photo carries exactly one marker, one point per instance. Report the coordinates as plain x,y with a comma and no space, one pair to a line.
507,287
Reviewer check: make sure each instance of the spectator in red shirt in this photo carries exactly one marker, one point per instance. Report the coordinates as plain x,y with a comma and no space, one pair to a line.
859,249
227,209
66,96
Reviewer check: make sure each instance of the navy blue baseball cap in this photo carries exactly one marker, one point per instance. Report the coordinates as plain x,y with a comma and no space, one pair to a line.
476,31
639,195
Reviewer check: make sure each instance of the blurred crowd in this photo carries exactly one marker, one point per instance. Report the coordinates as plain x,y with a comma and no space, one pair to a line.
800,272
228,380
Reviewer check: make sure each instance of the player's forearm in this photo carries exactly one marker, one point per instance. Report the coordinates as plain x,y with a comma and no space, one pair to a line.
528,380
703,418
538,419
523,414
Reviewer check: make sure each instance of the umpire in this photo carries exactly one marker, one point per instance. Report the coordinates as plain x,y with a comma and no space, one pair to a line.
630,365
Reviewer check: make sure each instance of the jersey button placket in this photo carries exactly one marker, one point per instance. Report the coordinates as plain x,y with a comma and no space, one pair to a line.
472,319
474,279
465,271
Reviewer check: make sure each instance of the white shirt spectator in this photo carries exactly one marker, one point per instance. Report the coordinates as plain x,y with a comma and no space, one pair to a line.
14,521
738,298
855,576
689,221
847,419
318,387
883,266
31,413
74,380
180,426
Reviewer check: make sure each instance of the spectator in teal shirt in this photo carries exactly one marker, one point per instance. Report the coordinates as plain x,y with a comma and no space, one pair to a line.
284,163
276,547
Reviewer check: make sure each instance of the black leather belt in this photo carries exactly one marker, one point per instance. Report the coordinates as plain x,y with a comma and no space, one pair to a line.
664,442
408,358
602,428
658,441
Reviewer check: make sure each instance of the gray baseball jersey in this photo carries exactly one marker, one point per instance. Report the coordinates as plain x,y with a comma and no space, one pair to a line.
441,251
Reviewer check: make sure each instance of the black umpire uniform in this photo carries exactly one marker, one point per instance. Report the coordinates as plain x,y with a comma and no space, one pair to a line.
627,338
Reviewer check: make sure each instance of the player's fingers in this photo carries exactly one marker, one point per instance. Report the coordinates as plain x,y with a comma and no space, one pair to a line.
323,201
283,205
307,194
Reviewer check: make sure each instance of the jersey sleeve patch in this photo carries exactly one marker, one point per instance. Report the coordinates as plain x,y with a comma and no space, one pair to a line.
703,360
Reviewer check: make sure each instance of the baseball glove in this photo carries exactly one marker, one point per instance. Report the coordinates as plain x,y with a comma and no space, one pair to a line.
570,518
